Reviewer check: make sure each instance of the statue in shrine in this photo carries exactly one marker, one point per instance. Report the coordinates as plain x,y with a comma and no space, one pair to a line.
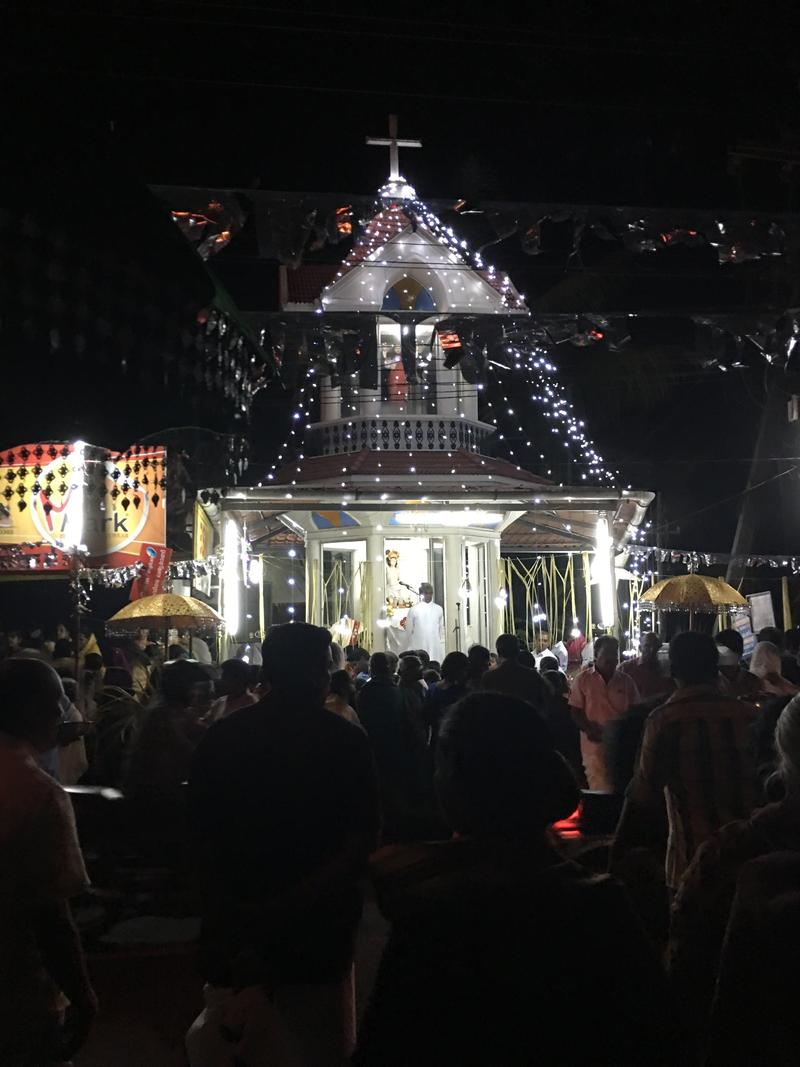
394,587
397,385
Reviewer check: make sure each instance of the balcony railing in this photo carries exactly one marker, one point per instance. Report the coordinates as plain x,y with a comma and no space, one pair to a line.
413,433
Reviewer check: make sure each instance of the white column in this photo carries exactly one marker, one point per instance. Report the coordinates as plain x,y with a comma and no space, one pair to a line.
377,600
330,403
469,401
447,403
314,580
453,576
497,616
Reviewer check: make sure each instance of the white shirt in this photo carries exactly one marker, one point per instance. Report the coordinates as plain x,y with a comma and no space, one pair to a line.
199,650
425,629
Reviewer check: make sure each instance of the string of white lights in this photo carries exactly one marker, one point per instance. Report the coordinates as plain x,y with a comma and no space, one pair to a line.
396,217
547,398
522,389
532,378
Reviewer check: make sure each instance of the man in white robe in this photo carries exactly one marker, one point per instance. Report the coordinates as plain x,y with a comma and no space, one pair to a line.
425,624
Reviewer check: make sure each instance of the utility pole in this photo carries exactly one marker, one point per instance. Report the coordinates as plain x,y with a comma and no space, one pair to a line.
773,414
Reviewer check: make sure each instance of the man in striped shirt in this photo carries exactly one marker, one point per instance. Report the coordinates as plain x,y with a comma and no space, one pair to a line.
695,771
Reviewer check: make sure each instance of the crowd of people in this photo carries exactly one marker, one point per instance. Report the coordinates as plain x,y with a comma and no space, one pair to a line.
282,786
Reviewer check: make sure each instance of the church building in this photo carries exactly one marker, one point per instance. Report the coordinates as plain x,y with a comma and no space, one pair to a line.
397,496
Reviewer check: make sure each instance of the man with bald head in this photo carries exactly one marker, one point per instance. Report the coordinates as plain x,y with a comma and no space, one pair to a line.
41,868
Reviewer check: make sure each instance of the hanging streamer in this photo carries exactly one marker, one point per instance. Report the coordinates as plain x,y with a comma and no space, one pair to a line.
549,593
365,576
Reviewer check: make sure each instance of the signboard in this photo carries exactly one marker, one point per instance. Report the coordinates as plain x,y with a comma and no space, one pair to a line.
203,545
762,611
156,559
56,498
741,623
203,533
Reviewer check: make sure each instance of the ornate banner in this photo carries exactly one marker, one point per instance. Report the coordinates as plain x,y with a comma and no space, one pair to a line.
57,500
203,546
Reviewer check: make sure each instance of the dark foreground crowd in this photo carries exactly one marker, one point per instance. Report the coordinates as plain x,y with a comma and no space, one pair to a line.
504,948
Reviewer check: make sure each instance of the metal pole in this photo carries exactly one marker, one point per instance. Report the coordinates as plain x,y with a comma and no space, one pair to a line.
787,603
771,416
75,566
261,614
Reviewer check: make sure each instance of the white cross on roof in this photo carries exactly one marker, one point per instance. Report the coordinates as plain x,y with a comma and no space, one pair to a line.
394,143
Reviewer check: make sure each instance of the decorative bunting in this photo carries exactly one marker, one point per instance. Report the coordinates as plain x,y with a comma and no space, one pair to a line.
691,559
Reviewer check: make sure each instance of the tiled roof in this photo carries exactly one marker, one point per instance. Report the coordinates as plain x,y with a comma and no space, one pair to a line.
545,531
451,468
384,226
564,528
304,284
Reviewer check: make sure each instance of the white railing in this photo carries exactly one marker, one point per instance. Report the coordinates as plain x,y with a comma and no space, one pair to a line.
412,433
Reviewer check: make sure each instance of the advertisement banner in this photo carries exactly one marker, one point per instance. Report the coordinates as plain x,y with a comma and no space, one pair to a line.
741,622
762,610
156,560
59,498
203,533
203,545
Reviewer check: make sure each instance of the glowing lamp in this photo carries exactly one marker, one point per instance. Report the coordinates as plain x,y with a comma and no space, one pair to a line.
73,526
501,600
231,609
604,571
447,518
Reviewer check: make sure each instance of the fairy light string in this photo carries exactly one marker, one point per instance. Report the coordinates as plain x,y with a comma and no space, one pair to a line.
520,403
522,396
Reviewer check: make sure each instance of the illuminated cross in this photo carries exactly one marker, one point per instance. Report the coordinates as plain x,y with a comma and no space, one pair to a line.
393,143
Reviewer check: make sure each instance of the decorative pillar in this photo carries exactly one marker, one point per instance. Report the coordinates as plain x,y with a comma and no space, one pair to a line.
447,400
314,580
454,635
497,616
375,637
469,401
330,404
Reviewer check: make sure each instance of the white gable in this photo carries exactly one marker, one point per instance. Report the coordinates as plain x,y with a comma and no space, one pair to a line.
454,286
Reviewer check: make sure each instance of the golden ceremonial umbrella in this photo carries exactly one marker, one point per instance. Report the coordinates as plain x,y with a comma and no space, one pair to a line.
167,610
692,592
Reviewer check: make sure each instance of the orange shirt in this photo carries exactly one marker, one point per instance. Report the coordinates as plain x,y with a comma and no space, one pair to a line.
649,679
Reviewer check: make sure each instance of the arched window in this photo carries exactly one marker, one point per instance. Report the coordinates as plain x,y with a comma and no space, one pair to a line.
408,295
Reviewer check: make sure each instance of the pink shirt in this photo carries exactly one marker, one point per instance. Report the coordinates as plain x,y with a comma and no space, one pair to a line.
602,701
40,862
225,706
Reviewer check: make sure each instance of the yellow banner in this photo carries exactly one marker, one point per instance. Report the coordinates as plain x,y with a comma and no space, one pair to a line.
56,499
203,533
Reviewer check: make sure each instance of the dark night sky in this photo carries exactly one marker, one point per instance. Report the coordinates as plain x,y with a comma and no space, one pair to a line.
569,101
581,102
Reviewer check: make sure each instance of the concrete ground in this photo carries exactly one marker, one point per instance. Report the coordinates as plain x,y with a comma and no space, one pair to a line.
149,998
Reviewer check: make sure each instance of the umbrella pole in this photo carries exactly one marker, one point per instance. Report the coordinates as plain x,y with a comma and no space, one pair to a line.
166,640
691,618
